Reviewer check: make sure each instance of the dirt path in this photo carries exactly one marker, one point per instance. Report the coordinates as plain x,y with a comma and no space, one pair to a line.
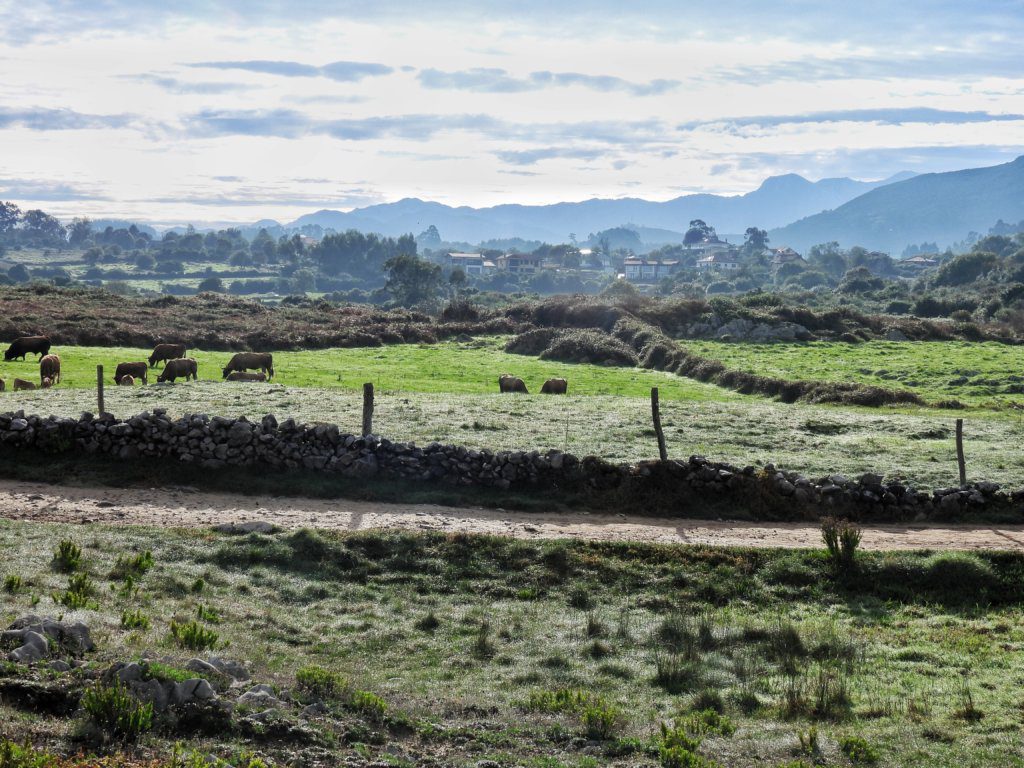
186,507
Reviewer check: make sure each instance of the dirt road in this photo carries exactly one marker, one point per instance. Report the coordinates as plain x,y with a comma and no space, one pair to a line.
186,507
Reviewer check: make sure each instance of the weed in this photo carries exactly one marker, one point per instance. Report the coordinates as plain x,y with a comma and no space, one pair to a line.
595,626
483,646
858,751
580,597
675,673
965,696
13,584
560,700
599,719
709,699
67,557
428,623
135,619
14,755
198,586
193,636
708,722
808,743
116,713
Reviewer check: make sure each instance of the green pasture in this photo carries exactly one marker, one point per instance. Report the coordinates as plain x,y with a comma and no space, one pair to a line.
974,373
471,368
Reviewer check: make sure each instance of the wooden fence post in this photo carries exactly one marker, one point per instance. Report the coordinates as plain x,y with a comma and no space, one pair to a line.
960,451
99,389
367,408
656,415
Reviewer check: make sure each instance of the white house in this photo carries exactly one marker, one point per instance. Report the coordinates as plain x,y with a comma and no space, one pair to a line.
720,261
638,270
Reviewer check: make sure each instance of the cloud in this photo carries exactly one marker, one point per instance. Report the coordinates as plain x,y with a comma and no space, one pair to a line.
31,189
534,156
494,80
993,61
341,71
176,86
43,119
890,116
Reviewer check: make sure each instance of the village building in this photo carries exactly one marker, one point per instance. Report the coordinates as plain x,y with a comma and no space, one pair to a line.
720,261
638,270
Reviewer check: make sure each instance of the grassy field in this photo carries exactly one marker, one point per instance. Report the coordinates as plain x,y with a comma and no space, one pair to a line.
547,654
974,373
447,393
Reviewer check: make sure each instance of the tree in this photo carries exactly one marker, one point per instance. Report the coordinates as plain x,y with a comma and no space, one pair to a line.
145,261
79,232
429,238
698,232
456,280
412,280
305,280
39,225
828,258
212,284
755,240
10,214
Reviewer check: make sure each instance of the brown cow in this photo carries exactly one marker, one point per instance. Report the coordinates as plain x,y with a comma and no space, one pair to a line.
22,384
555,387
243,376
244,361
509,383
181,368
126,381
37,345
164,352
135,370
49,368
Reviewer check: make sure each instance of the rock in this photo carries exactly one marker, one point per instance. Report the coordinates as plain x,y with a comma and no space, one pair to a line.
34,646
895,334
260,698
234,669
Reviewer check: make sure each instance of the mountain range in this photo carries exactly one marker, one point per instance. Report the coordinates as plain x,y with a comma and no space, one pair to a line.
778,201
937,207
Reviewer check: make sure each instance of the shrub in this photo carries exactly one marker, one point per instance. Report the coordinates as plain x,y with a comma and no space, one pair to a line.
708,721
675,673
134,620
67,557
13,584
841,539
428,623
80,589
23,756
858,750
132,566
599,719
321,682
589,346
116,713
207,614
193,636
560,700
368,704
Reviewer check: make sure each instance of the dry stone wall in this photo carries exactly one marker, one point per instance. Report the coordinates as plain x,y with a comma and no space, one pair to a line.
685,488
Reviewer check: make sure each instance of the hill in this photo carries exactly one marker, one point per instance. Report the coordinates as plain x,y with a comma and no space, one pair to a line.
779,200
937,207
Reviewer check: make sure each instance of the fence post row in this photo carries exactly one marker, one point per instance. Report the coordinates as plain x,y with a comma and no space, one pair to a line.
961,465
99,389
368,408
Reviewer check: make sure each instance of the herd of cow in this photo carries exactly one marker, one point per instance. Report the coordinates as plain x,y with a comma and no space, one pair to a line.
175,365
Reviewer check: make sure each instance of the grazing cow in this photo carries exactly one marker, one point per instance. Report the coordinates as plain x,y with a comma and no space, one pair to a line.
180,368
49,368
243,376
37,345
46,383
509,383
22,384
244,361
126,381
135,370
164,352
555,387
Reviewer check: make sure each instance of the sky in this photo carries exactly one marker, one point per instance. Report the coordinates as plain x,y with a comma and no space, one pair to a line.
202,112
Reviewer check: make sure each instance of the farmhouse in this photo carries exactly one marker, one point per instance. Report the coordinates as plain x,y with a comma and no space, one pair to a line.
638,270
471,263
919,262
786,255
720,261
518,263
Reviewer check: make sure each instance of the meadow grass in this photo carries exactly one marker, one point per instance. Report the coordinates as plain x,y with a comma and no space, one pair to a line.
974,373
474,644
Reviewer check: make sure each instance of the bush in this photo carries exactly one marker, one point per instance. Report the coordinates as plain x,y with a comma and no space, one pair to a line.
858,750
80,589
134,620
116,713
589,346
368,704
193,636
132,566
67,557
841,539
599,719
23,756
321,682
13,584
